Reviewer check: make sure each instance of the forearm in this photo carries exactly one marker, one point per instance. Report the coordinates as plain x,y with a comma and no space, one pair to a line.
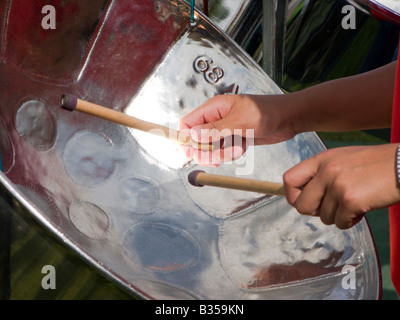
359,102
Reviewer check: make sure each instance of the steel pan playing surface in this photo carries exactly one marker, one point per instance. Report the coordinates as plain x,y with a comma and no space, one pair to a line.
120,198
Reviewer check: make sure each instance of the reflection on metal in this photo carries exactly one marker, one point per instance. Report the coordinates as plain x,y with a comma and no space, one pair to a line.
231,15
392,5
120,198
242,19
361,5
274,30
319,49
389,9
202,5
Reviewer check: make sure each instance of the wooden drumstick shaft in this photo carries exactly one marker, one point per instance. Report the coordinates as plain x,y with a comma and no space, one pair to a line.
71,103
199,178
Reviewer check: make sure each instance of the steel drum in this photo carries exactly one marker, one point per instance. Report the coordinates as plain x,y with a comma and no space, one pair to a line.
387,9
119,198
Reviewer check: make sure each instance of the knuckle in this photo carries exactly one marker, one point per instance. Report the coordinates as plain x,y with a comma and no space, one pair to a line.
304,208
343,225
327,220
351,201
331,169
291,197
287,178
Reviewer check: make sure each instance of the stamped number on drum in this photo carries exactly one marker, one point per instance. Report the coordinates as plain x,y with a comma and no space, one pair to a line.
212,72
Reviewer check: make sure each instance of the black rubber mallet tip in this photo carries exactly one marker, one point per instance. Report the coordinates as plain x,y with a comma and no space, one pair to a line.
68,102
192,178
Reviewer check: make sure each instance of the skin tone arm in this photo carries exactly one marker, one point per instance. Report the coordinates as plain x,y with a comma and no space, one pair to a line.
339,185
360,102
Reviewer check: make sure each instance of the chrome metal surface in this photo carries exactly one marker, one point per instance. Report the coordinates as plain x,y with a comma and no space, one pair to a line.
388,9
120,198
242,19
229,15
274,31
384,9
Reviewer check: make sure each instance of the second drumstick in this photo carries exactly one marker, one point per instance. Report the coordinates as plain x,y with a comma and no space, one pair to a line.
199,178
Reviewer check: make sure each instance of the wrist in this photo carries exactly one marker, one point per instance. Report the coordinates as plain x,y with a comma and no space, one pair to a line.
294,113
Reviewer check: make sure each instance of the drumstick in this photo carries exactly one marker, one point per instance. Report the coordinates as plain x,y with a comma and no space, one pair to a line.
71,103
199,178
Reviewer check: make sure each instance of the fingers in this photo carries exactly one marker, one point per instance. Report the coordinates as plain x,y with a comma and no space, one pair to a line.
211,123
328,210
226,146
296,180
213,110
225,149
319,187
